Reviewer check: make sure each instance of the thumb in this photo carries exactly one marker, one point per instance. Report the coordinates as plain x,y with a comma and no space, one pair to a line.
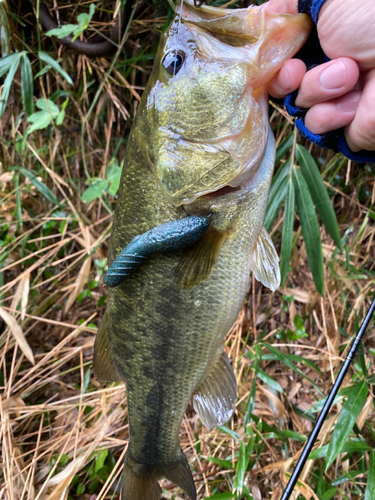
282,6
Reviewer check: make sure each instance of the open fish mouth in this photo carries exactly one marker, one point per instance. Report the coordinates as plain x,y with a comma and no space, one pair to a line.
221,192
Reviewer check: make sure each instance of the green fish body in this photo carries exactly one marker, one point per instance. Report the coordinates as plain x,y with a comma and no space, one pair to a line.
200,146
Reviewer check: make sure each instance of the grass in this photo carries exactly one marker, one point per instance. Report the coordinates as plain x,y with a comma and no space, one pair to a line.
63,434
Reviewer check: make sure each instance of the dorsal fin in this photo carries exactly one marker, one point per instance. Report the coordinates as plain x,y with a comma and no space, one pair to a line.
215,399
104,369
197,262
264,261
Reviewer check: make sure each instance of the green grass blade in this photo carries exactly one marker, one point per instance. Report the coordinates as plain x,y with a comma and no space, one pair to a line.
55,65
310,229
287,238
241,466
27,85
277,195
370,487
40,186
318,193
286,359
8,83
346,420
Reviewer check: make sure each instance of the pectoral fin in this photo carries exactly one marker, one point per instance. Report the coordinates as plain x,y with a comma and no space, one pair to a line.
104,369
264,261
215,399
197,262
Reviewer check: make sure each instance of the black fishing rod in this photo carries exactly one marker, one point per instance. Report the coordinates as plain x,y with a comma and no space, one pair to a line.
310,443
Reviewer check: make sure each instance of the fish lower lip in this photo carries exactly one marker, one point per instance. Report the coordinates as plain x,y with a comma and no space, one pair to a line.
222,191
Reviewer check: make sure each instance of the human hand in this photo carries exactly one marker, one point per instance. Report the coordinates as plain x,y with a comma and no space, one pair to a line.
341,92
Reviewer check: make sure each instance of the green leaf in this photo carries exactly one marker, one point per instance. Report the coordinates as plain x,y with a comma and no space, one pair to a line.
277,194
60,117
8,83
96,189
284,147
269,381
241,466
55,65
221,496
40,186
346,420
48,106
287,238
230,433
350,447
310,229
27,84
7,61
39,120
63,31
370,487
318,193
113,174
100,459
224,464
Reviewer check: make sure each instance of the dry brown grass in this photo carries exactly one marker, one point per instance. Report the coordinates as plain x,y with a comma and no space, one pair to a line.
55,416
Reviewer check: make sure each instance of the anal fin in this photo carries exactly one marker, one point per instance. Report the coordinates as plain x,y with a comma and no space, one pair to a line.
215,399
104,369
264,261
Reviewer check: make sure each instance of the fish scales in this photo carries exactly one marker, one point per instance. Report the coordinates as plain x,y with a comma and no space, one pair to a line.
199,146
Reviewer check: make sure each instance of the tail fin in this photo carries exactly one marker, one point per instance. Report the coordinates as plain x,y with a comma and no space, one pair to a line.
139,484
142,484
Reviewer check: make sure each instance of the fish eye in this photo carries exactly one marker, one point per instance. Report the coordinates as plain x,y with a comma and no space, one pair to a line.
173,61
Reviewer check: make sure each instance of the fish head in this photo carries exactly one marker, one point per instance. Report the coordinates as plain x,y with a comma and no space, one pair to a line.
207,107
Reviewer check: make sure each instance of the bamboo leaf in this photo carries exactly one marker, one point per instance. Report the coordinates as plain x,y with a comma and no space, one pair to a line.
370,487
310,229
318,193
284,147
17,334
7,61
277,194
350,447
55,65
40,186
346,420
269,381
27,85
8,83
287,237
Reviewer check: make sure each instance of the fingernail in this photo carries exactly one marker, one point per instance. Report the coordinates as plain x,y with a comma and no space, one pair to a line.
334,76
349,102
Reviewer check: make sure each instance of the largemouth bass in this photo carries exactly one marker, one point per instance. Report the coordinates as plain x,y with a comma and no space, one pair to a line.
200,147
